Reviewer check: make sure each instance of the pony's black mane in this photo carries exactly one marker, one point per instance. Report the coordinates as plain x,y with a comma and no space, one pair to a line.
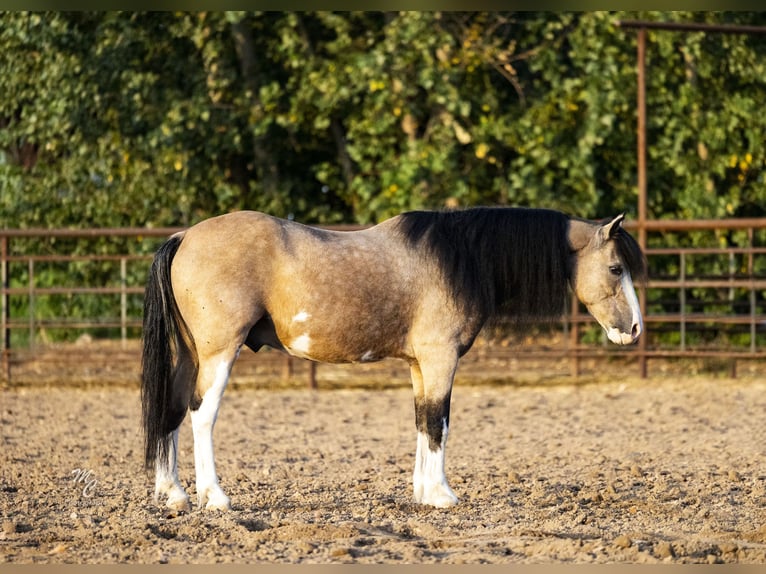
512,262
498,261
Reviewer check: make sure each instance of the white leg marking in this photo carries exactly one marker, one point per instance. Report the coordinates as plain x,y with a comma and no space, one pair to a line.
300,346
203,421
417,475
301,317
367,357
429,481
166,480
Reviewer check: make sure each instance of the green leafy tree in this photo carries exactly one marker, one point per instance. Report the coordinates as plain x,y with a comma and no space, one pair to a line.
117,118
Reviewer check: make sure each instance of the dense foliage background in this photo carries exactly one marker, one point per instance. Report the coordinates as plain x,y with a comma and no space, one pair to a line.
112,119
133,119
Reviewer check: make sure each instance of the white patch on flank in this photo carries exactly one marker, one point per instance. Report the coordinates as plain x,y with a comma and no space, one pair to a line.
301,317
300,346
367,357
429,481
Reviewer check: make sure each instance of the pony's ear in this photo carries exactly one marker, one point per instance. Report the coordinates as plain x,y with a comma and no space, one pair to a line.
610,229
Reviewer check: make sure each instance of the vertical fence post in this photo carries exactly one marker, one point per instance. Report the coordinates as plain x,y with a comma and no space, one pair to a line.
751,274
5,311
31,296
732,297
123,301
682,298
641,144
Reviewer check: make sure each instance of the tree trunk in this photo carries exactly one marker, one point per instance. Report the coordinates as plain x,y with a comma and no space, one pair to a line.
267,169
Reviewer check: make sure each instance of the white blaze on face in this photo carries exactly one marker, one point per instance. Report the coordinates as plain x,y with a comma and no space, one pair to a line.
630,295
615,335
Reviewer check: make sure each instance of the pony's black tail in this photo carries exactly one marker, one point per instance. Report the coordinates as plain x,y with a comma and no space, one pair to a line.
165,387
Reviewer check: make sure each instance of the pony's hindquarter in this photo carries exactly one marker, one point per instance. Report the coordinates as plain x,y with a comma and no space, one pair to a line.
215,302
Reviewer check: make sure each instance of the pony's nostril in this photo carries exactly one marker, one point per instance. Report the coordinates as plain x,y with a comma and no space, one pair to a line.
636,331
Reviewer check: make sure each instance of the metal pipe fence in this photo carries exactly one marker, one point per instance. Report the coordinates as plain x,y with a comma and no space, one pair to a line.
692,310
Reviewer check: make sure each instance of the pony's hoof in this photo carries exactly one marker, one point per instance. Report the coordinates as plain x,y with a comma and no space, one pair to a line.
441,501
179,503
439,496
214,499
222,503
177,499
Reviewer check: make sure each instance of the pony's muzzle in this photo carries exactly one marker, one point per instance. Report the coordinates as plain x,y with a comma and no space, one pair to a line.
620,338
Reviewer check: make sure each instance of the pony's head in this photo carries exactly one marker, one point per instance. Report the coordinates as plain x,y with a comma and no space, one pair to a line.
606,262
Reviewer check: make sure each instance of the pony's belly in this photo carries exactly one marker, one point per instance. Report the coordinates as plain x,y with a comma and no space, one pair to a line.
324,351
332,343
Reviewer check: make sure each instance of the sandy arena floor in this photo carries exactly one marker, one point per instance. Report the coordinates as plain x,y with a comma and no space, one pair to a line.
664,470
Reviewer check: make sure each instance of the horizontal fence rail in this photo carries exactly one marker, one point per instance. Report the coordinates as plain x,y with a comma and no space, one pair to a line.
705,299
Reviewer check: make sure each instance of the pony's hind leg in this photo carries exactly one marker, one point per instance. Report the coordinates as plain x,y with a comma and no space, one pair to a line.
176,404
166,481
432,384
212,380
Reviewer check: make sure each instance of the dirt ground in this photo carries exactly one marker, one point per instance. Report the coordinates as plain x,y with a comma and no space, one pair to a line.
669,469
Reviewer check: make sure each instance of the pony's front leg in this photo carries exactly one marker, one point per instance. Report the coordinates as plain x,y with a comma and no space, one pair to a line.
432,383
213,377
166,480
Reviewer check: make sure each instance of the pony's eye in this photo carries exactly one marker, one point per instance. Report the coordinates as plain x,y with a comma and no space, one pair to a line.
616,270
